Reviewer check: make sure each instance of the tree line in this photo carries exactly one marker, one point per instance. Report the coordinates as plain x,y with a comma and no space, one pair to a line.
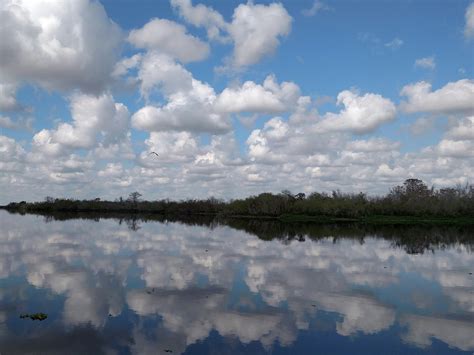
412,198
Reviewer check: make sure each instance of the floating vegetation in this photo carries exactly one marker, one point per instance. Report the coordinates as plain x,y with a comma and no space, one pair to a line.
34,316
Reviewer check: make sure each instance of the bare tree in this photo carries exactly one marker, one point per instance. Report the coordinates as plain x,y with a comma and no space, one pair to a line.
134,197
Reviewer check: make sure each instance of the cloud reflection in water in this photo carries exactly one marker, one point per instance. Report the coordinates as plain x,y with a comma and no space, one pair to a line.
174,285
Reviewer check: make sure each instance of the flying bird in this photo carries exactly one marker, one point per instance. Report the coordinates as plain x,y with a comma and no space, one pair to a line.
154,153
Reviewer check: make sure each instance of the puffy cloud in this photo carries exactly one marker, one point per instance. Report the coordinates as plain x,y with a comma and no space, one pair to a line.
303,152
58,45
454,97
43,142
190,110
361,114
443,164
386,171
170,38
172,146
463,130
469,27
297,154
456,148
452,157
93,117
12,156
116,175
249,97
125,64
426,63
256,31
270,97
202,16
194,106
217,161
297,151
112,170
159,71
261,143
286,153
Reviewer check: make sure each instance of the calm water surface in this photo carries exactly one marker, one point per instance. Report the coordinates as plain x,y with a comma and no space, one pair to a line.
152,288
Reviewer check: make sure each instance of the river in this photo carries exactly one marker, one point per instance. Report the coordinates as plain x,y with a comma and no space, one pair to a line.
141,286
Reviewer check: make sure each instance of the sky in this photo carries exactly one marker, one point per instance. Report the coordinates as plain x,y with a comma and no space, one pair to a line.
236,98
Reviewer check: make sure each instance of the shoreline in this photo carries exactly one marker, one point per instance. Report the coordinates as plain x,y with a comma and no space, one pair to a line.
284,218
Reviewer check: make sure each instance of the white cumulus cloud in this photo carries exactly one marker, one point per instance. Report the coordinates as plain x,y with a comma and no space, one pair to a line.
58,45
361,114
95,120
463,130
170,38
190,102
256,31
270,97
202,16
453,97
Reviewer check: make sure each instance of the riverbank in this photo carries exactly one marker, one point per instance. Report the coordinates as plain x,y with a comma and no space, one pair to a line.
123,211
380,219
413,203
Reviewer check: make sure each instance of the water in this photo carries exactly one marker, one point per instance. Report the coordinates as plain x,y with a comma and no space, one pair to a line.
149,287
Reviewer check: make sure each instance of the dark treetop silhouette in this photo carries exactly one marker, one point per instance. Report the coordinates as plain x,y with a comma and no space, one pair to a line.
412,202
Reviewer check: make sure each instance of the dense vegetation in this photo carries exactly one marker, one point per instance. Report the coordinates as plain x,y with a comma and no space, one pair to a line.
412,199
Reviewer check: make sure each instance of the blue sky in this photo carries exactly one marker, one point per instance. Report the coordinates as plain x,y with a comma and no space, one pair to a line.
236,97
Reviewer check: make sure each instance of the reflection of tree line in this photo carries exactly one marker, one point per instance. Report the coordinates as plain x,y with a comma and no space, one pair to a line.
132,220
413,239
